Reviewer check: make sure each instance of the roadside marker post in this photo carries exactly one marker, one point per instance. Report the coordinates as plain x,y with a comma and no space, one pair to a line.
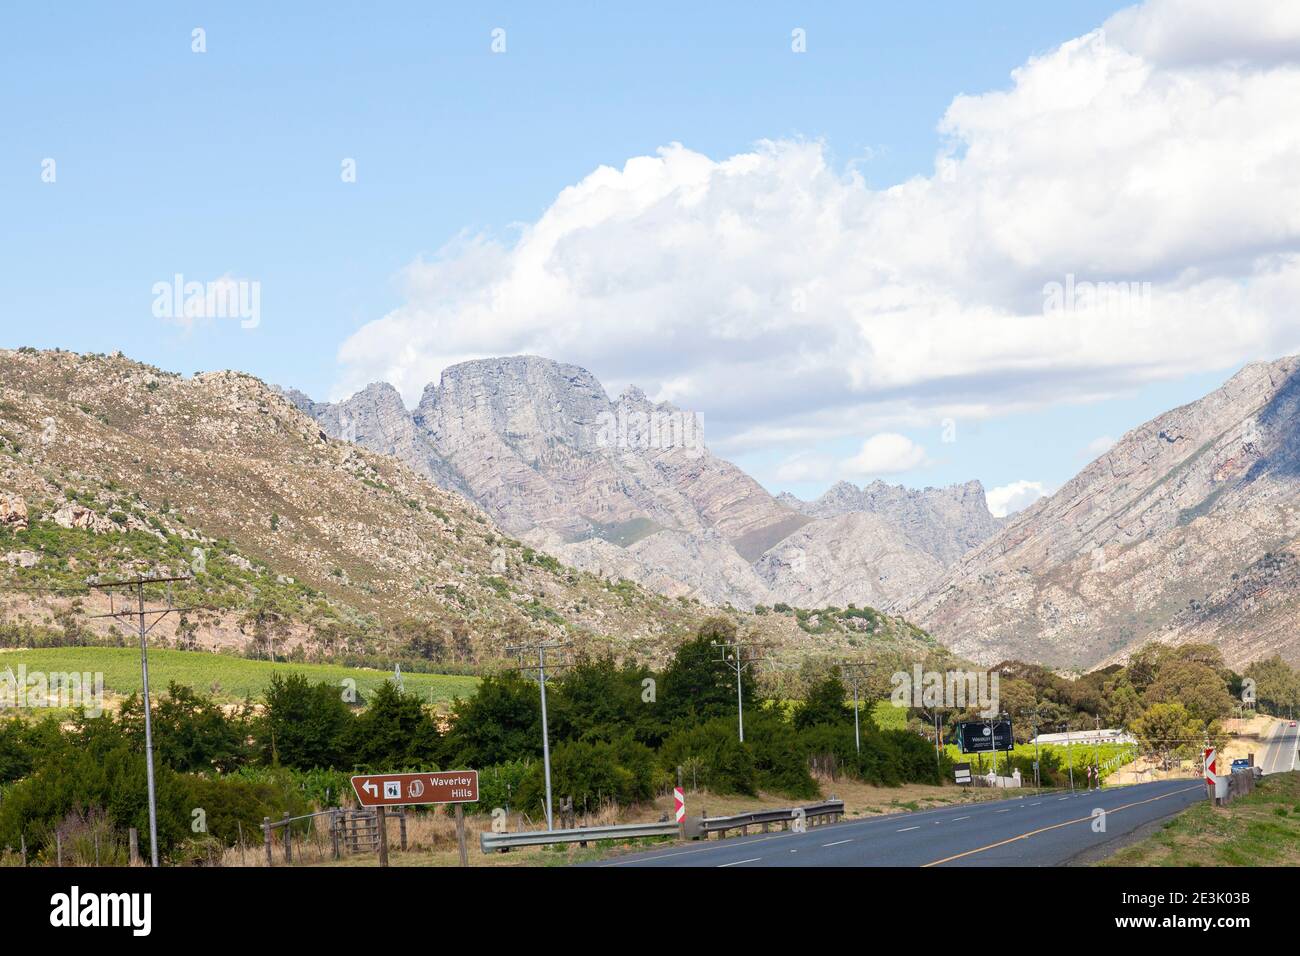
1216,784
679,806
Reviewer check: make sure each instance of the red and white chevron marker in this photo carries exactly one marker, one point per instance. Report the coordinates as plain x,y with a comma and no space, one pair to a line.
1211,771
679,803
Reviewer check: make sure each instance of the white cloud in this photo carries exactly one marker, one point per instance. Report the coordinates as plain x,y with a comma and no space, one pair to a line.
885,454
1209,31
785,299
1008,499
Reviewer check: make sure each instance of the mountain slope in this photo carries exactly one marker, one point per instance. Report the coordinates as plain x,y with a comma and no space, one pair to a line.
1185,530
110,467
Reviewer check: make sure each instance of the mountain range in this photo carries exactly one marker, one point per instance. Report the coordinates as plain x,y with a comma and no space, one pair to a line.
1184,530
628,488
300,544
519,498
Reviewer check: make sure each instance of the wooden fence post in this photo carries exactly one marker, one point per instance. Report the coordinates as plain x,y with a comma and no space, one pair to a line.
133,846
460,835
401,819
266,837
383,836
58,848
334,832
288,839
23,841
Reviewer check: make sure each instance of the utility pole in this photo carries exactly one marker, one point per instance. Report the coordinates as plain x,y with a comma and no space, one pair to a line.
735,657
1096,753
540,649
938,747
141,612
1037,784
1069,755
1035,717
854,670
993,746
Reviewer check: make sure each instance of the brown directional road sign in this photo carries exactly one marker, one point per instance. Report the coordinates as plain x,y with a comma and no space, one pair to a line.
408,789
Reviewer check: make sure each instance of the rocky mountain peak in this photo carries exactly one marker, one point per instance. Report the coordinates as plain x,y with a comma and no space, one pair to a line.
629,484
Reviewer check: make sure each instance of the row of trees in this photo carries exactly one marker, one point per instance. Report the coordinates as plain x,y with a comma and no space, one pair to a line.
1173,699
618,731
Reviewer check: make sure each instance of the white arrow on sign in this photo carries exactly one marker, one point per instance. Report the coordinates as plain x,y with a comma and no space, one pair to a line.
370,788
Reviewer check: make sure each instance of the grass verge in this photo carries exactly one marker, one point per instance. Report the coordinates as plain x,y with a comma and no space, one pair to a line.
1262,829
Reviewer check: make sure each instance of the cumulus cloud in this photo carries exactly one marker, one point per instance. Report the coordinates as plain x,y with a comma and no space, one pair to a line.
887,453
1008,499
1209,31
791,303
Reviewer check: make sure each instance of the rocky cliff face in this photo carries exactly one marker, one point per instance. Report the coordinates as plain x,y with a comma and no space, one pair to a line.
628,488
376,419
1185,530
944,523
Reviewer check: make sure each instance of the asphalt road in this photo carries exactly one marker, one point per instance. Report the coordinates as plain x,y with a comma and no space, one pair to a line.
1043,830
1280,749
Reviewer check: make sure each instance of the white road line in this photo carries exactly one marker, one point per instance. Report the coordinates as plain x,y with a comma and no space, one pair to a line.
1008,810
1035,804
967,817
738,862
836,843
905,829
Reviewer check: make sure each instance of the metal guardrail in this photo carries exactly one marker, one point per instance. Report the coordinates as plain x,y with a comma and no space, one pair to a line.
489,841
765,818
832,809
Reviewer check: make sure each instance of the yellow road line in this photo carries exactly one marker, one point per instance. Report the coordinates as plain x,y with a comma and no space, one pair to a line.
1055,826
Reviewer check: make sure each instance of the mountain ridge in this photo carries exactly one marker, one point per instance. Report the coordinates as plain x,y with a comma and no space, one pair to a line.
1183,512
630,484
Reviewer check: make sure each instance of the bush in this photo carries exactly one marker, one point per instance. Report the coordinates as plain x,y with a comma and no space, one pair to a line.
593,774
780,763
394,732
500,723
499,786
721,762
304,725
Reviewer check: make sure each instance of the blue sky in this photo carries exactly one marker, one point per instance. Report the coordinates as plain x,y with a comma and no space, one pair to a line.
227,163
